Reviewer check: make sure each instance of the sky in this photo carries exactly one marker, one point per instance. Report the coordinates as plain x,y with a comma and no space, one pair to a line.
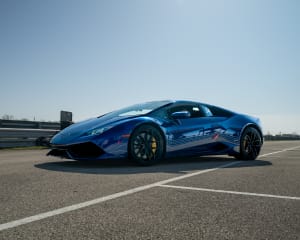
91,57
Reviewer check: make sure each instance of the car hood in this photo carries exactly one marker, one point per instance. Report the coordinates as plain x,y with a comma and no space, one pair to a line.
77,130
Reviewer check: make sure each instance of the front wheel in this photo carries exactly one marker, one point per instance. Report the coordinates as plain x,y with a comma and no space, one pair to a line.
146,145
250,144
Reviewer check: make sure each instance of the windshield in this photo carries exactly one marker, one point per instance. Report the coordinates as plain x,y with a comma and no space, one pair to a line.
137,109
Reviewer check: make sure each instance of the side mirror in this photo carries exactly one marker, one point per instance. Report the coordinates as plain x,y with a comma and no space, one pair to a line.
181,115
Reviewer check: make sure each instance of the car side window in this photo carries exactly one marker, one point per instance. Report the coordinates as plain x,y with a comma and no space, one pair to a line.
216,111
206,111
194,110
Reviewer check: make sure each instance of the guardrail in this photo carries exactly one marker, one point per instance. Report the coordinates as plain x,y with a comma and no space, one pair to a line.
21,137
29,124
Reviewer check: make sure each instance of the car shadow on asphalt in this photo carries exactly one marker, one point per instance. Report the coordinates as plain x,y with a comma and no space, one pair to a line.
124,166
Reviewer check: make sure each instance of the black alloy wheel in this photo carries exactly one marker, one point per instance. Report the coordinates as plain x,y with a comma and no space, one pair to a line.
250,144
146,145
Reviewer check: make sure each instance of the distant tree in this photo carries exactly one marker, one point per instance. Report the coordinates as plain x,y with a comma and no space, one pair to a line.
7,117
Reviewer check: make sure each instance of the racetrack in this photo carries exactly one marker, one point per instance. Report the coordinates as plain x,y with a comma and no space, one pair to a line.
212,197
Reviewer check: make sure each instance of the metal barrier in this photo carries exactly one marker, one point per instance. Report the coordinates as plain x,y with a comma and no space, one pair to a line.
29,124
21,137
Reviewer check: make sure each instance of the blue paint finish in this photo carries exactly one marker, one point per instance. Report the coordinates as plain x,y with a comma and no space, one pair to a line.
209,130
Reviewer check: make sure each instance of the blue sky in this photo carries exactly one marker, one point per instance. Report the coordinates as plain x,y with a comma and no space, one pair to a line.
90,57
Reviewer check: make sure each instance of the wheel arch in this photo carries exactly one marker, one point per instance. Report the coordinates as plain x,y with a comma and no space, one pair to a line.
149,123
253,125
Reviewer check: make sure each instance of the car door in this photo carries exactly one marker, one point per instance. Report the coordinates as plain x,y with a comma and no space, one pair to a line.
190,132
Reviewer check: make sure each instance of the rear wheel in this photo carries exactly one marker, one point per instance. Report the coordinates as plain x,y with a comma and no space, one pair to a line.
250,144
146,145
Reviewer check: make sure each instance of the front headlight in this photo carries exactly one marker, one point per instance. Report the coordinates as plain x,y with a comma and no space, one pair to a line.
97,131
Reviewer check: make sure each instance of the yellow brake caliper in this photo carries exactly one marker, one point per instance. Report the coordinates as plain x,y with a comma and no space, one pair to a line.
153,145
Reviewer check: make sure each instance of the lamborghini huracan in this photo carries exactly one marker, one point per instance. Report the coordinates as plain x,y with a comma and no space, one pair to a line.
149,132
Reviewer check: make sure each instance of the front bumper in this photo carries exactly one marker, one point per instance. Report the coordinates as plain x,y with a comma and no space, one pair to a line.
81,151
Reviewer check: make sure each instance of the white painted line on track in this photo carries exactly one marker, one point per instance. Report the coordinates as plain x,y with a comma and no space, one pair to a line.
284,150
231,192
59,211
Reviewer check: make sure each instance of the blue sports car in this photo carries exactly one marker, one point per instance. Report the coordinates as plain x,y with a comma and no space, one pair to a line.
149,132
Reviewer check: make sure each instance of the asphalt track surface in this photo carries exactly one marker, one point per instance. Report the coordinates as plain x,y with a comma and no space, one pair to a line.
212,197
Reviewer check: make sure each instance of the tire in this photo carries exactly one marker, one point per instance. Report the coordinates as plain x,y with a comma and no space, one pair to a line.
250,144
146,145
